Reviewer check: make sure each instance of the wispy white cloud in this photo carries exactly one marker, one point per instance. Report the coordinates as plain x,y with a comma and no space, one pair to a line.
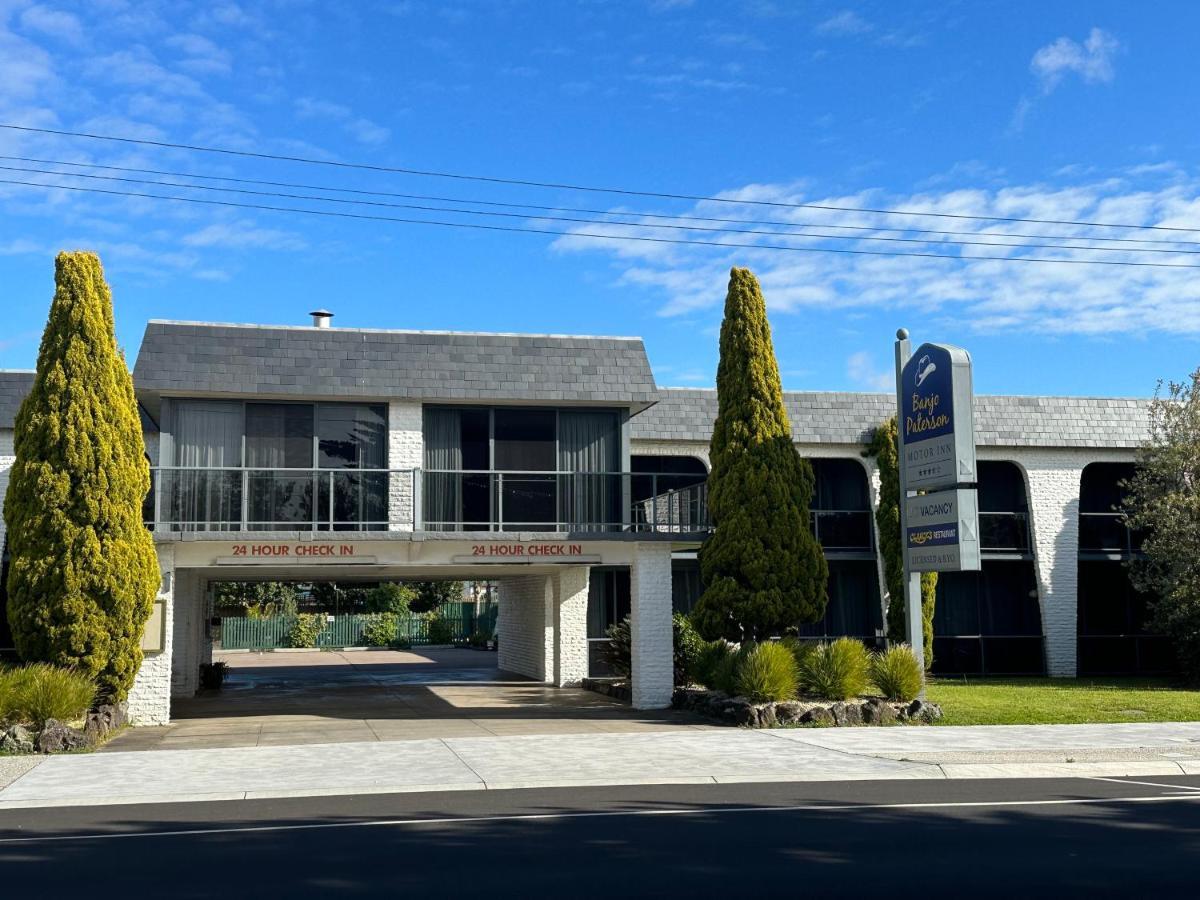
200,55
1060,297
53,23
862,371
362,130
243,235
1092,60
843,24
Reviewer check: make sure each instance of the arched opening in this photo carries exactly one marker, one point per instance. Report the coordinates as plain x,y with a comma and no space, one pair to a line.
989,622
1112,622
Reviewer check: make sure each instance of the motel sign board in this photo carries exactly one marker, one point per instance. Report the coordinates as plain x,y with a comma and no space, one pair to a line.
937,456
937,418
941,531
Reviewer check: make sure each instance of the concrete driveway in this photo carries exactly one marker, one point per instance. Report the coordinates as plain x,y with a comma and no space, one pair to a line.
321,697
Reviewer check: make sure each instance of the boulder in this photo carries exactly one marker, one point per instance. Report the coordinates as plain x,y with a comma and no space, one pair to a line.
817,715
105,718
846,713
789,712
55,737
767,716
878,712
924,711
16,739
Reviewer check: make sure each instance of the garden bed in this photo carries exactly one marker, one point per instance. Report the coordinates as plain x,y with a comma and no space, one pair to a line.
59,737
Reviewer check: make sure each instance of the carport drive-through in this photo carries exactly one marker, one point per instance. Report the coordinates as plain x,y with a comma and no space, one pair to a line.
541,580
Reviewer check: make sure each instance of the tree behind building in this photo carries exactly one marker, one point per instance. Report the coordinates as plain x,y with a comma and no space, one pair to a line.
83,572
762,569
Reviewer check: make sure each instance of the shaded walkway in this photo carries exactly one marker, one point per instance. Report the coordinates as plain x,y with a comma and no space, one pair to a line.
292,698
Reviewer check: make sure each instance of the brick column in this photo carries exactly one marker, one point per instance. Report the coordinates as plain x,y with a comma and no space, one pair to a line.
570,626
150,697
1054,508
650,596
406,450
525,627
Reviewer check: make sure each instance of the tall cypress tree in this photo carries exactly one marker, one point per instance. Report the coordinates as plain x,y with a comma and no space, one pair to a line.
83,571
885,447
762,569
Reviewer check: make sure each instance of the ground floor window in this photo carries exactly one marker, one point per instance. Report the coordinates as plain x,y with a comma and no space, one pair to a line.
1113,637
608,604
853,609
989,622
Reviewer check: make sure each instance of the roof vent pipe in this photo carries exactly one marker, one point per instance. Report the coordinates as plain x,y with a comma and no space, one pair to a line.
321,318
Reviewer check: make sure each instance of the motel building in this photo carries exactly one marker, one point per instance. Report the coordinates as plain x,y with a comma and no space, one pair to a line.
556,468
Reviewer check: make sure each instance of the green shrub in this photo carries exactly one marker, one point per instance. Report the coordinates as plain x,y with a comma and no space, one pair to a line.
896,673
304,631
39,691
768,672
480,638
379,629
726,671
710,660
617,654
836,671
390,597
688,645
440,631
801,650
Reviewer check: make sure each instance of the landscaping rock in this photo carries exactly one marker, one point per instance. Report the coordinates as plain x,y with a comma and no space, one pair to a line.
878,712
846,713
16,739
105,718
55,737
924,711
789,712
818,715
767,716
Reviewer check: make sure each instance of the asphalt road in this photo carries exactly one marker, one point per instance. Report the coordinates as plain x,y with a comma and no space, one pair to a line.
967,838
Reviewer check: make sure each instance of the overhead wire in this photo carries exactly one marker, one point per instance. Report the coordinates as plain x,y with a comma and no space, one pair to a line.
598,236
519,182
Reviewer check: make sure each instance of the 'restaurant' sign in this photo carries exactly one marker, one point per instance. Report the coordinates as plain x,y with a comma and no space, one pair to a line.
937,418
942,531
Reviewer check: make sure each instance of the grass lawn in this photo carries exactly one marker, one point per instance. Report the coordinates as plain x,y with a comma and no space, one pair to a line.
976,700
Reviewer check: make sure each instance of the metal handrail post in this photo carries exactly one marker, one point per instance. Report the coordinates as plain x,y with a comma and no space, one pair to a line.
499,501
245,504
654,503
331,473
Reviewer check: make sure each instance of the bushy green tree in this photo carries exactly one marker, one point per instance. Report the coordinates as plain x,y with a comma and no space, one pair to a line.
762,569
83,573
885,447
429,595
1163,502
390,597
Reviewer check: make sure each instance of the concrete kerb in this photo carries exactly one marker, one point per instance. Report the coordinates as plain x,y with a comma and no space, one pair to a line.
509,763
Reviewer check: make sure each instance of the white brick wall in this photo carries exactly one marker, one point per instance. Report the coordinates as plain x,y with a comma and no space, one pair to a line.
406,450
525,626
6,461
650,626
191,645
150,696
570,625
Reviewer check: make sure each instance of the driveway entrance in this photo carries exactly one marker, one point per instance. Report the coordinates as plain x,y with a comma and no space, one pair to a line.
321,697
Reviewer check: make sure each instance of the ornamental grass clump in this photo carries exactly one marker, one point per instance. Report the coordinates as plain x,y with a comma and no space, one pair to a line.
34,693
836,671
711,660
897,673
767,673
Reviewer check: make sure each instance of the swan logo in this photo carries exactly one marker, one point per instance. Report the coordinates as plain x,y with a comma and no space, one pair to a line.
925,368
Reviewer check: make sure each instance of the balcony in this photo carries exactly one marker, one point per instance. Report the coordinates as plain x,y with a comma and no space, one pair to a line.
284,499
1106,533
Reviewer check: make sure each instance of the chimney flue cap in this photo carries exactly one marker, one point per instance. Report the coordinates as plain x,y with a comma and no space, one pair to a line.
321,318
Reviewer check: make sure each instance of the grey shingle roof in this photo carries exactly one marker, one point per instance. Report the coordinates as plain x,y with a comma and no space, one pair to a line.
203,358
821,417
14,385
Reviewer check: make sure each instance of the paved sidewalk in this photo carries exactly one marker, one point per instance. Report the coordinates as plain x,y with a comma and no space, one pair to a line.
562,760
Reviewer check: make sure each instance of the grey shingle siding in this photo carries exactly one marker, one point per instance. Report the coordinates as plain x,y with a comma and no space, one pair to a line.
14,385
197,358
847,418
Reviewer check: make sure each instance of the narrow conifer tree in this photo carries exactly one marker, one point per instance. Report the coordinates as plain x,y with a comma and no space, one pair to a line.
762,569
83,572
885,447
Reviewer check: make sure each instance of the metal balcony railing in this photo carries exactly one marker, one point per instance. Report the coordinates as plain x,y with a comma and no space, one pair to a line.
1107,532
273,499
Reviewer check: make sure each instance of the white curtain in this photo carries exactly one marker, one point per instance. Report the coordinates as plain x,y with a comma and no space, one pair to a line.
208,434
443,451
588,443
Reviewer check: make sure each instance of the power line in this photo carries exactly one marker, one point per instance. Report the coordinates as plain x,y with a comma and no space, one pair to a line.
582,221
595,212
518,182
606,237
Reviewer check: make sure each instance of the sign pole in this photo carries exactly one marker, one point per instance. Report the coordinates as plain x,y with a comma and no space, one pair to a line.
914,627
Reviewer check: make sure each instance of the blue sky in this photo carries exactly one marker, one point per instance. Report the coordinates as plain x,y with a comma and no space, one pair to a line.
1079,111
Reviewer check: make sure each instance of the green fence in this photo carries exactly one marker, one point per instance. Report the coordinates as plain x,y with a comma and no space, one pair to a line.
346,631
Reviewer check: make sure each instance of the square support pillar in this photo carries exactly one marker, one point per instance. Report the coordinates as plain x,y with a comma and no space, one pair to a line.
650,626
570,626
1054,492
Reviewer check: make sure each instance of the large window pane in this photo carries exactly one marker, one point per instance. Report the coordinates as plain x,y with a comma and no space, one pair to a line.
524,441
352,436
280,436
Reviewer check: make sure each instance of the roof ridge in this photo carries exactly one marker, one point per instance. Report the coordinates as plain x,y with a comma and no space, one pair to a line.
329,328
